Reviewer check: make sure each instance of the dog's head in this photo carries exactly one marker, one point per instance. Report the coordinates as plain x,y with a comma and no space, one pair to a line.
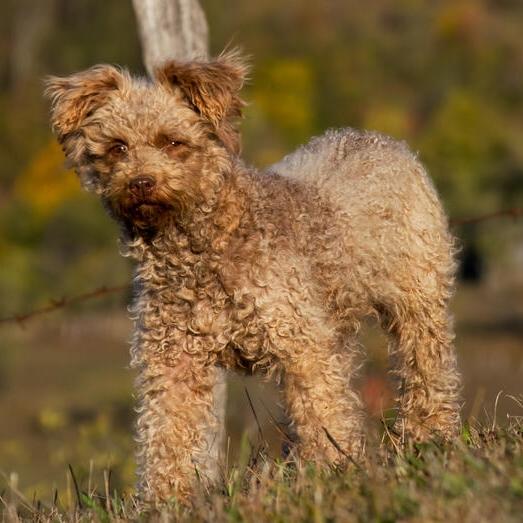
150,148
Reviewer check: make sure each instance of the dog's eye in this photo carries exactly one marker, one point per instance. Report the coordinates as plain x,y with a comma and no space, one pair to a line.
118,150
177,149
172,144
174,148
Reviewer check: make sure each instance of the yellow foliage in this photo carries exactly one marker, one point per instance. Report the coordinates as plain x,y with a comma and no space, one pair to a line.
460,20
284,93
388,119
46,184
51,419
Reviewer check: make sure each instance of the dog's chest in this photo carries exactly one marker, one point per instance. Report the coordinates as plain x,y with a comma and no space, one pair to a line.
189,301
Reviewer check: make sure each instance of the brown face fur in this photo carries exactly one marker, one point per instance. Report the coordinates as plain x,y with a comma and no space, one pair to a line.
151,150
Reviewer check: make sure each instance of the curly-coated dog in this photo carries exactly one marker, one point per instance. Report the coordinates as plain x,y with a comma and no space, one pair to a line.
272,270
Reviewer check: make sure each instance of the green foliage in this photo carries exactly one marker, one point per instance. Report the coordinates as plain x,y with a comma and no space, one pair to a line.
478,481
444,75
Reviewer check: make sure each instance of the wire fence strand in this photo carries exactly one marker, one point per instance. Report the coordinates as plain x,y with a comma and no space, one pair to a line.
515,213
61,303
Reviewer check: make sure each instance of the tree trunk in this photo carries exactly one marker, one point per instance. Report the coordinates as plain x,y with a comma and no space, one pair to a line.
177,29
171,29
33,21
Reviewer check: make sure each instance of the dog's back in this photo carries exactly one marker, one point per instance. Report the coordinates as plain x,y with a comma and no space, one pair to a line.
362,172
387,209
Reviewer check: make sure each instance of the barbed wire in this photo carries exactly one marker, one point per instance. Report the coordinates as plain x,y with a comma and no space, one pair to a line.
515,213
64,302
54,305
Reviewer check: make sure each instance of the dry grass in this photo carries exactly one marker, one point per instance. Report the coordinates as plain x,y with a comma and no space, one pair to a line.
479,478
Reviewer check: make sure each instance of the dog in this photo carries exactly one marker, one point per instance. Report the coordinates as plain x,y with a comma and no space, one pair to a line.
271,270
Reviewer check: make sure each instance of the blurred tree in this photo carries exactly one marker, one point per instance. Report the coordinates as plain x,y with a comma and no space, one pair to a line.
445,76
32,24
171,29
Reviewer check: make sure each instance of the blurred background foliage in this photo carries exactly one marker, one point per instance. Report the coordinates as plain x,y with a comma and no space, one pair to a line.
445,75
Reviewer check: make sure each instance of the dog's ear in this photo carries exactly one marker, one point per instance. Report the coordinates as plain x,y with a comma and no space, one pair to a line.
212,88
75,97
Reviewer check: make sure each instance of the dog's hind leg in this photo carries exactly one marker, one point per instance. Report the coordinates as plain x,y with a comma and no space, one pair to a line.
424,359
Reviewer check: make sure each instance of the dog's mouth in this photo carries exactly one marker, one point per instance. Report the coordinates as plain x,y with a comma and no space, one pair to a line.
145,202
148,210
141,212
147,205
145,217
144,212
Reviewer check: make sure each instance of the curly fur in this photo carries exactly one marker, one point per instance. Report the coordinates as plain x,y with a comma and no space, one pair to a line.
271,270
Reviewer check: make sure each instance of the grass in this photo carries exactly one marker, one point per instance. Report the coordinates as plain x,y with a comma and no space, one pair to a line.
478,478
66,398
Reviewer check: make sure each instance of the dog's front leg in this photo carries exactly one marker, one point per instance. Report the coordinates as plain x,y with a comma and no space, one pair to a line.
178,426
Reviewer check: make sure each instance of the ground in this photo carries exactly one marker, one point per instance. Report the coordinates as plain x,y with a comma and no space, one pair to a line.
66,393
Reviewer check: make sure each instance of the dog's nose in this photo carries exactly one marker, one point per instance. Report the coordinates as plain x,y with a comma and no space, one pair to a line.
141,185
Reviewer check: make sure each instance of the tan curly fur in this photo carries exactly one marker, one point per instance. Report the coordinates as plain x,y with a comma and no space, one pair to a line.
272,270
